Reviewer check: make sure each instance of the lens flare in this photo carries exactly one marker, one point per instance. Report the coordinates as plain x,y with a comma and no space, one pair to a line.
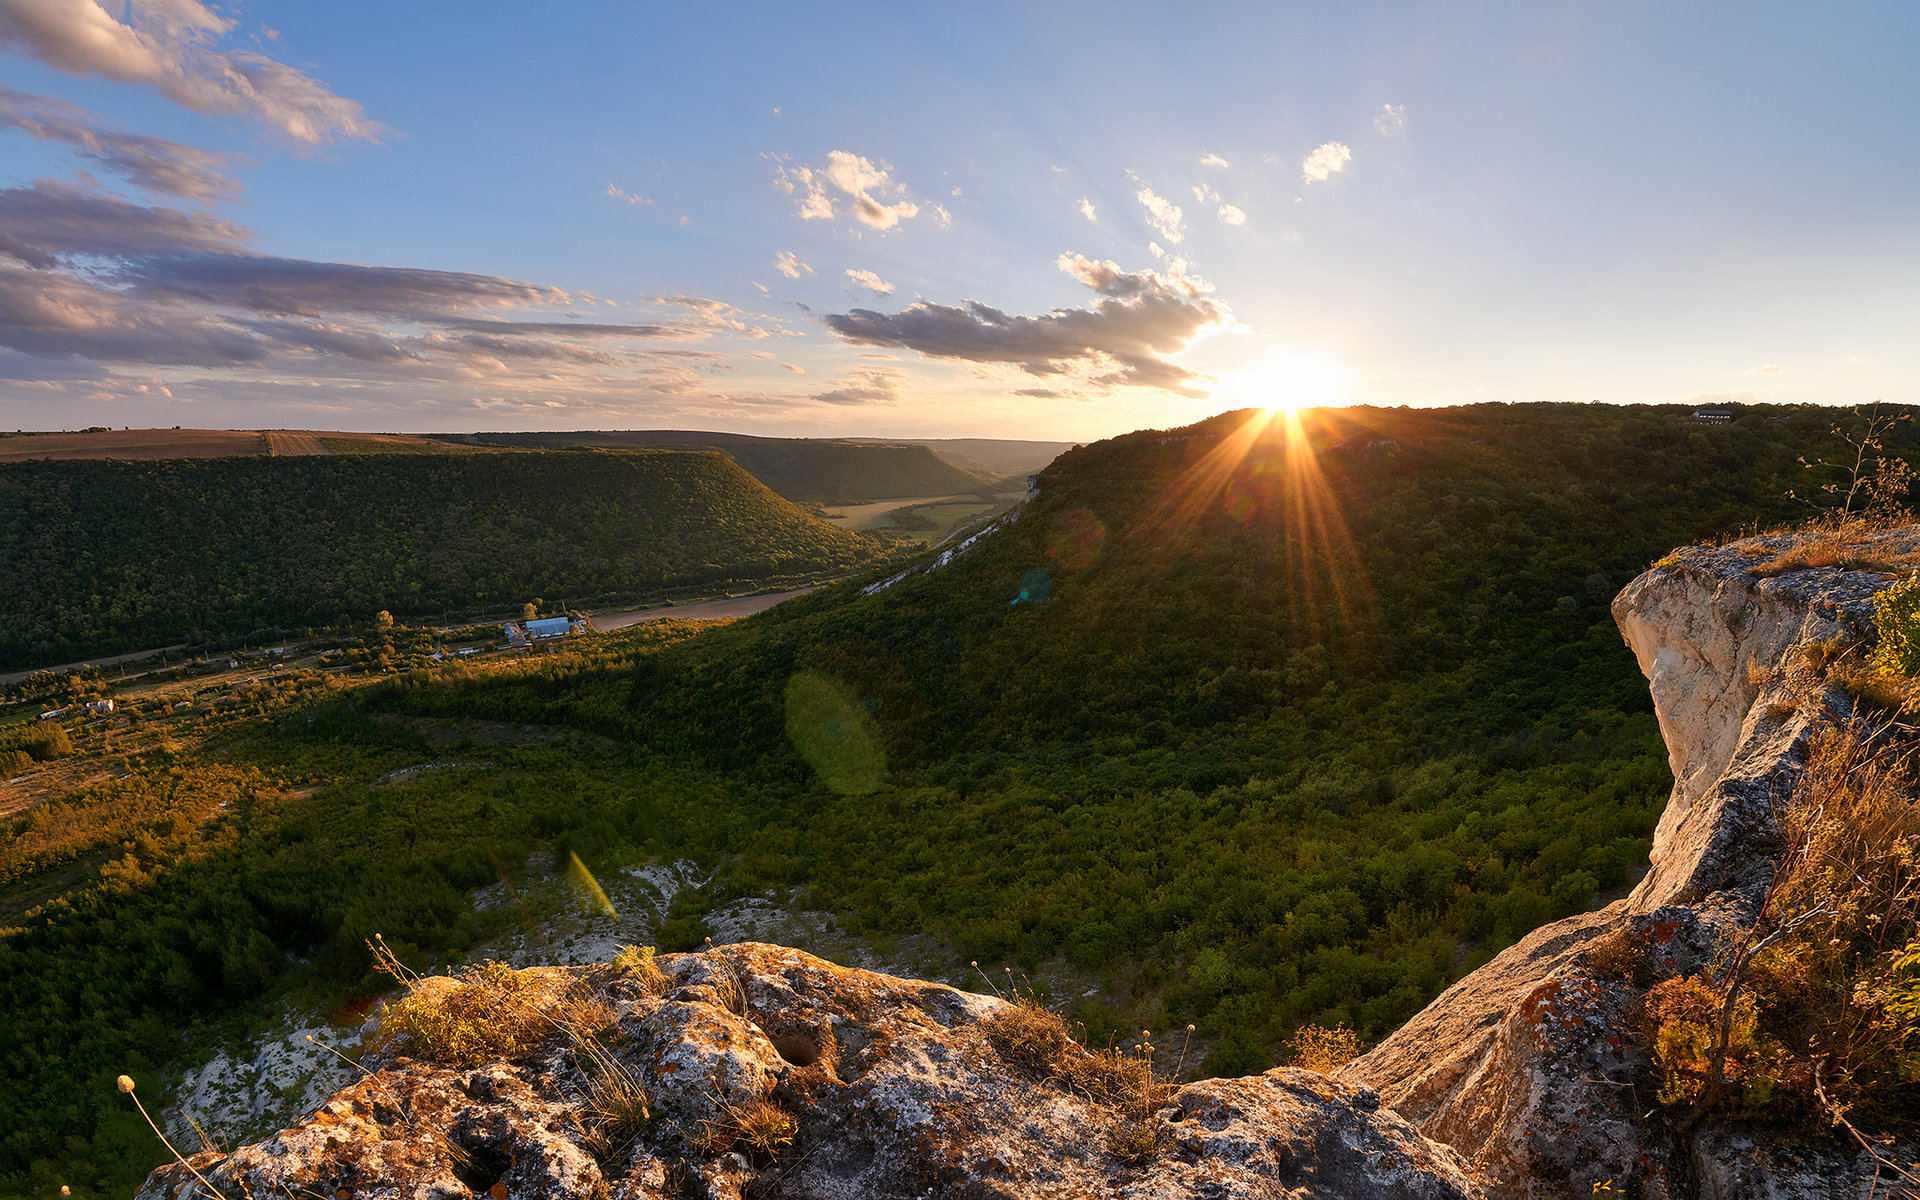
834,734
1078,537
1267,471
1035,586
588,886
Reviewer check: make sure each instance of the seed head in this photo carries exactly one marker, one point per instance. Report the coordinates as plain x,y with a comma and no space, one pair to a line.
126,1084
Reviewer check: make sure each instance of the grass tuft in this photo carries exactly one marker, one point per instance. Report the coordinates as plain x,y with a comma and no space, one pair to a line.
637,963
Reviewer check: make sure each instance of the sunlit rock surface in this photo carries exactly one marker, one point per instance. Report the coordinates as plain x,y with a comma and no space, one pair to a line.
895,1089
1530,1066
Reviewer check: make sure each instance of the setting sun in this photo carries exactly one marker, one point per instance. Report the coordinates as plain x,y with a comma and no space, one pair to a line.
1284,383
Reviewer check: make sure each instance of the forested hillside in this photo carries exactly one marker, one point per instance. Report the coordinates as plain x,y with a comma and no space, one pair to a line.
104,556
1248,724
804,470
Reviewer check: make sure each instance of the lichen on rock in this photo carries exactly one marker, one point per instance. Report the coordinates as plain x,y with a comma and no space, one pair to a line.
892,1087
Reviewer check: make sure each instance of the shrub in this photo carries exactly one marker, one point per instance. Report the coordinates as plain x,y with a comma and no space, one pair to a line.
1896,614
762,1127
636,963
1323,1049
487,1012
1029,1037
1820,1000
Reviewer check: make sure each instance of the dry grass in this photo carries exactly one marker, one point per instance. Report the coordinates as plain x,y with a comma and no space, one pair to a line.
1035,1041
1030,1037
760,1127
1323,1049
1616,955
615,1108
487,1012
636,963
1814,1012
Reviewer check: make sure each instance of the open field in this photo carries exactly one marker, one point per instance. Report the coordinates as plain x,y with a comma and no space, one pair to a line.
938,516
134,443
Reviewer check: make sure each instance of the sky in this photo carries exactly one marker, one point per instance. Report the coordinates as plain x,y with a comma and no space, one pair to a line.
1055,221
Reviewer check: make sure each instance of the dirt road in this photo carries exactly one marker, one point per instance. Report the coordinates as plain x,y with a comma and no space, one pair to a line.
706,610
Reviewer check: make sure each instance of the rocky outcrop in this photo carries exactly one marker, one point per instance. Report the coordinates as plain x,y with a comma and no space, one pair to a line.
1530,1066
894,1088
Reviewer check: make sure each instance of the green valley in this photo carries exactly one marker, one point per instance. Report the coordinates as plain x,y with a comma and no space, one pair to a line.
1248,724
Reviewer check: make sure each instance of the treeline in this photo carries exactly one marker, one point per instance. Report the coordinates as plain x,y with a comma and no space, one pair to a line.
105,556
803,470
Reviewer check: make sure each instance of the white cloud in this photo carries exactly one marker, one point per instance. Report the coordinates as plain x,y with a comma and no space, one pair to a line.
864,385
850,184
956,191
629,197
789,264
1086,209
870,281
1325,162
1214,160
942,217
168,45
1232,215
795,368
1767,369
1163,214
1391,119
686,220
1202,194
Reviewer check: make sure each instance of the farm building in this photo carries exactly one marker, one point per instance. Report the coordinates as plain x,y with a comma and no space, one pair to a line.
549,627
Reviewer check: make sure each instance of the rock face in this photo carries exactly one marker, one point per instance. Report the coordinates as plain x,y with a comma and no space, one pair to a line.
894,1088
1529,1067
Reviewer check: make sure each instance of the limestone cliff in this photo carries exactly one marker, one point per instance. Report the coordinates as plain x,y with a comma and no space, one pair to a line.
1529,1067
893,1087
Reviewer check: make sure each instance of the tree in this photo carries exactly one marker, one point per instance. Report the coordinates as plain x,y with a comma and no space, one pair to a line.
383,620
1873,485
531,610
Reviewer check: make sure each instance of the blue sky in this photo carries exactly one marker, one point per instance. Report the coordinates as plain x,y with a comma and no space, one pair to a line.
1053,221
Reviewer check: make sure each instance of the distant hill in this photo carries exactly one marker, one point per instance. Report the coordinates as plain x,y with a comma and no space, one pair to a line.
105,556
132,443
804,470
992,456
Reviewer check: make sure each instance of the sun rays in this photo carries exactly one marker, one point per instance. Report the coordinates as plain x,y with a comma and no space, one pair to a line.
1267,475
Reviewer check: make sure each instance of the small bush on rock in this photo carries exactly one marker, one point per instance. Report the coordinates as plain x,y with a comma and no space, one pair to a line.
636,963
1323,1049
487,1012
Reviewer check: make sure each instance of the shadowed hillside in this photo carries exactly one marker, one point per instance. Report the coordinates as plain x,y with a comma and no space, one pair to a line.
106,556
804,470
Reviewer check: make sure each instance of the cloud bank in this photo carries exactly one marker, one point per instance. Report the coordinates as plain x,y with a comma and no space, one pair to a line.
169,46
1125,339
152,164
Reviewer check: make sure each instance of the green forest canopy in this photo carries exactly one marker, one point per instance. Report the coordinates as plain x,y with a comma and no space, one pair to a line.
106,556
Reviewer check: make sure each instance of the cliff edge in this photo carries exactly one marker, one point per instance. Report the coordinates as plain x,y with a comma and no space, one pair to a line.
767,1072
1531,1067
